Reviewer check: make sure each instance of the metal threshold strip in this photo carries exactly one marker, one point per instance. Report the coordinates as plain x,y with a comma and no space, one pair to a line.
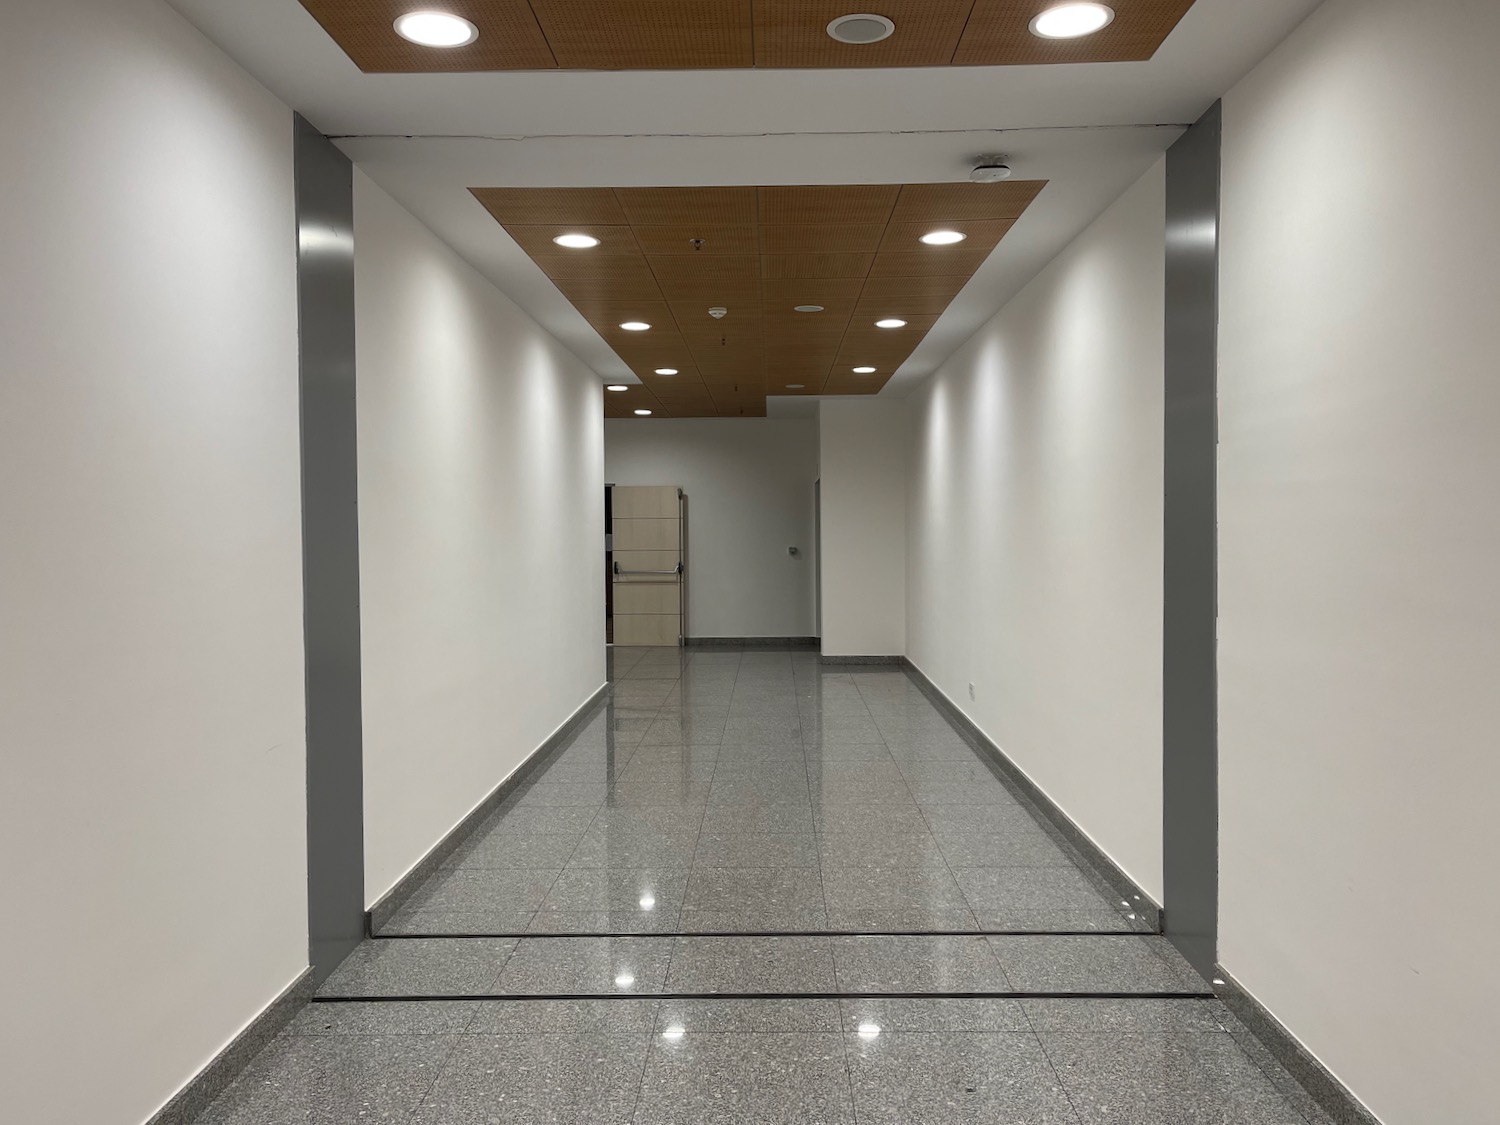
768,934
473,997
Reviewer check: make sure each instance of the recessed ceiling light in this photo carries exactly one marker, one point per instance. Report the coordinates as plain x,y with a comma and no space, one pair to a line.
864,370
890,322
807,308
860,28
635,326
666,371
943,237
617,387
644,413
436,29
795,386
1069,21
577,241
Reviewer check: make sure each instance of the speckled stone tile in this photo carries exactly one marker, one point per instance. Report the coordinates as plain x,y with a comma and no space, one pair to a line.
1171,1079
1126,1017
493,921
873,751
782,788
754,898
757,1016
946,820
876,793
634,895
414,1017
753,964
756,849
895,898
765,818
847,818
510,850
420,967
933,1015
563,794
333,1080
917,964
1003,896
1091,964
586,966
877,846
564,821
947,1078
480,889
1025,846
564,1017
734,1079
537,1080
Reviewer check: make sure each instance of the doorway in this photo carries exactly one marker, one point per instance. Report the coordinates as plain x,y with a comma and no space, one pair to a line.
645,555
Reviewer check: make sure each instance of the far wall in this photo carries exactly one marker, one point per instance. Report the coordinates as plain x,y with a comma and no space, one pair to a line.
749,486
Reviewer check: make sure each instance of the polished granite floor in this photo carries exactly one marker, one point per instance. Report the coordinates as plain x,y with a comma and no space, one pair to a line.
754,889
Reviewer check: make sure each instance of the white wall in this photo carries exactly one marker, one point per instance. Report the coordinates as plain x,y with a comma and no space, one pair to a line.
749,484
481,487
152,769
1360,544
862,466
1036,525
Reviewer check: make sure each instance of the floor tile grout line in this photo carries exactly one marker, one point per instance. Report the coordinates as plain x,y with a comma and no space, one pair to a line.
1051,1064
864,994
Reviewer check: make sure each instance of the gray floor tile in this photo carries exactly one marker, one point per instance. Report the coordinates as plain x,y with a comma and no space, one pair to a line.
563,794
333,1080
481,889
933,1015
947,820
1126,1017
733,1079
1020,847
564,821
663,791
564,1017
847,818
632,898
1165,1080
942,1078
1091,964
587,966
698,1016
658,921
635,848
849,791
1010,895
877,847
895,898
756,849
769,819
736,761
754,964
495,920
828,770
509,850
754,898
848,752
917,964
414,1017
420,967
751,789
537,1080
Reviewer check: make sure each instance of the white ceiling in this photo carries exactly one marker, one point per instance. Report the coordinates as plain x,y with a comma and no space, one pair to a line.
1090,129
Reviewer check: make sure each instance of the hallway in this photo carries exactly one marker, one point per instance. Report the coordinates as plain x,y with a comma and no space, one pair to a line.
806,898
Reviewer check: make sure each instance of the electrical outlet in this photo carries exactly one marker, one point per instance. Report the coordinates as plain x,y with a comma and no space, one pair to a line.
971,691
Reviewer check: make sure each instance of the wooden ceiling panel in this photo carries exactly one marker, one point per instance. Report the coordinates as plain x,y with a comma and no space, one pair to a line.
816,265
648,34
930,261
999,34
705,267
563,206
828,203
678,239
733,34
793,33
979,234
689,206
538,239
844,238
510,38
759,269
926,203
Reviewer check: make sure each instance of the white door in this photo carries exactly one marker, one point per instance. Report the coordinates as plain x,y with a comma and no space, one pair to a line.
648,572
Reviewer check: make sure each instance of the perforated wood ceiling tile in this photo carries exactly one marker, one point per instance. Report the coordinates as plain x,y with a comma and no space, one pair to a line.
934,261
680,239
727,365
509,37
816,265
648,34
828,203
689,206
999,34
793,33
563,206
924,203
705,267
820,238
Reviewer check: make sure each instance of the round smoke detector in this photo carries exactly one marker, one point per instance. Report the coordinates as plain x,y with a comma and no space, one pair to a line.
861,28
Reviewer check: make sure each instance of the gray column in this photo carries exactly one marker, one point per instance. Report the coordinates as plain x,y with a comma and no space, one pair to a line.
1190,752
330,550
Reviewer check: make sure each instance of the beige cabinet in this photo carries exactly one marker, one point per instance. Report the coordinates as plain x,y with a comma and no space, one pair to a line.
648,564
